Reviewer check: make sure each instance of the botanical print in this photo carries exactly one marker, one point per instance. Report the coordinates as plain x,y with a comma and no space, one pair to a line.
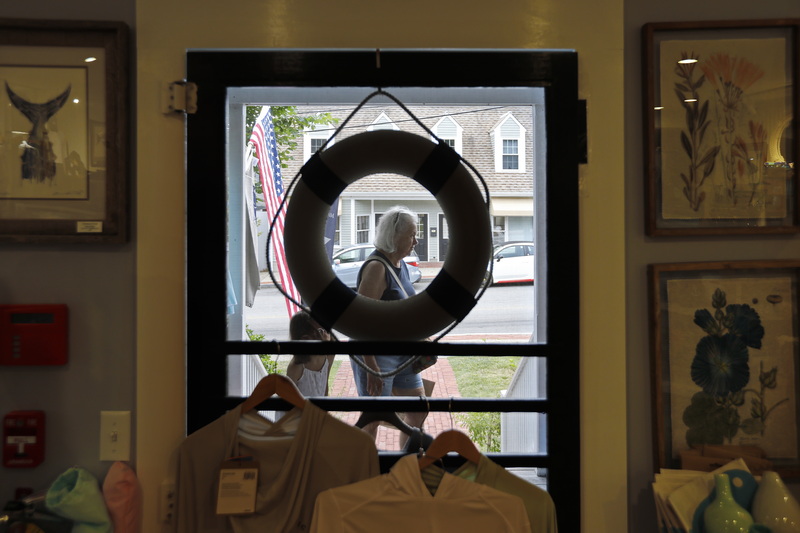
722,103
732,355
44,137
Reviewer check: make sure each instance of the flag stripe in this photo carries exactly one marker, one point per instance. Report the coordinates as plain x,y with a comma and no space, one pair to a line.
263,138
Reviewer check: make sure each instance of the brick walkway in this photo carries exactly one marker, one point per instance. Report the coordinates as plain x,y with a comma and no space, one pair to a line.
441,374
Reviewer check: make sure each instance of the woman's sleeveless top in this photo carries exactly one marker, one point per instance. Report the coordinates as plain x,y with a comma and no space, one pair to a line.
314,382
393,291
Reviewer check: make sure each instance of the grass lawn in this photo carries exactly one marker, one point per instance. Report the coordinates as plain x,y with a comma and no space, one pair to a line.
483,377
334,368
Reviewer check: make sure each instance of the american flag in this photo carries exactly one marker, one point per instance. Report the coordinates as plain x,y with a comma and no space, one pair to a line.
263,138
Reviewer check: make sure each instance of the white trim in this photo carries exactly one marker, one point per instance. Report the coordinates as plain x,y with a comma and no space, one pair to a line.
459,134
383,122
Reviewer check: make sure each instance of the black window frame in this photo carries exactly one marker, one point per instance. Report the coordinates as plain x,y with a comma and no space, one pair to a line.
207,346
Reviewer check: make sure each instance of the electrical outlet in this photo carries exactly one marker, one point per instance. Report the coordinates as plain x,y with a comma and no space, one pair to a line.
115,435
166,501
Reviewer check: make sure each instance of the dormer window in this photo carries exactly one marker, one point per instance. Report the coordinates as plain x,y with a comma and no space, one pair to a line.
449,131
509,145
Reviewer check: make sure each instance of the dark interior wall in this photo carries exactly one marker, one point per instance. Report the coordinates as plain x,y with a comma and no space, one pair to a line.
642,250
98,284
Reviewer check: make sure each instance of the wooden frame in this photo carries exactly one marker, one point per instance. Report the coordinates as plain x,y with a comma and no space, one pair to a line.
720,134
64,178
742,316
207,237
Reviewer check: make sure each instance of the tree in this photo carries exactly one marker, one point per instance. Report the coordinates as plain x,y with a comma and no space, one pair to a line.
289,127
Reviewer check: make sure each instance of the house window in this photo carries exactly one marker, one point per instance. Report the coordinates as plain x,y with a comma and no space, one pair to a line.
314,139
510,154
509,145
535,433
498,230
316,144
362,229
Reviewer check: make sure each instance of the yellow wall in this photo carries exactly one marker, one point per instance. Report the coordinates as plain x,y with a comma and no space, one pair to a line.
167,28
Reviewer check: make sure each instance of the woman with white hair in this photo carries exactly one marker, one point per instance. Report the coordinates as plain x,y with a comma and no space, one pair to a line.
395,238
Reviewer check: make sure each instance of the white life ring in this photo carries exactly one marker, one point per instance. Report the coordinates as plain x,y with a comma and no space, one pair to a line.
449,297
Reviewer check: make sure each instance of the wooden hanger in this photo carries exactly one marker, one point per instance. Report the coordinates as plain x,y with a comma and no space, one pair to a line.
274,384
384,416
450,441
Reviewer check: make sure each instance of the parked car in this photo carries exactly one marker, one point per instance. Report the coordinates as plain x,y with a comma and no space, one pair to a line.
347,262
512,262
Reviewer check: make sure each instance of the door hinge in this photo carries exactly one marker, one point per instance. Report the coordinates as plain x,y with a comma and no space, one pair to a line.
180,97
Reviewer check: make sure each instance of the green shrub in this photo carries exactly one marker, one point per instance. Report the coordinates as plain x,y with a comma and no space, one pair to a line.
270,364
483,429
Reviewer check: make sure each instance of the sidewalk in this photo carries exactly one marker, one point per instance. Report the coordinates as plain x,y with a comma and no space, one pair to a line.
388,439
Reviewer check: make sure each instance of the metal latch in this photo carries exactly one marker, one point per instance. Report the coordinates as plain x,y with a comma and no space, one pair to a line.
180,97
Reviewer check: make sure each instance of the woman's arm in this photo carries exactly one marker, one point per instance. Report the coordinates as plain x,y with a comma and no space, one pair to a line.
373,285
373,280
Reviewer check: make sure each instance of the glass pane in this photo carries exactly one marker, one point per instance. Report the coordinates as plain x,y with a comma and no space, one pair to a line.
509,311
450,377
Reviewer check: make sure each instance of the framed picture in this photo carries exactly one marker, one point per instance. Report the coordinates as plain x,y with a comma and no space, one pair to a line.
725,358
64,100
720,133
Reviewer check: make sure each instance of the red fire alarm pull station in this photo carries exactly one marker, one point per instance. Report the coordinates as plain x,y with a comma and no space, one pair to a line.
33,334
23,439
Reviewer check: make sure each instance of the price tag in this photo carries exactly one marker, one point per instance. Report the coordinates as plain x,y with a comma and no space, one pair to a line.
238,484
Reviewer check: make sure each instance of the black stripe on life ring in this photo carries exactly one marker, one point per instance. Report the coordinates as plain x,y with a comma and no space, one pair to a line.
450,295
437,168
321,180
331,303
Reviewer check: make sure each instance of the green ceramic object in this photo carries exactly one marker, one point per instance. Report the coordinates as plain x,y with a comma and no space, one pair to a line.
724,515
774,505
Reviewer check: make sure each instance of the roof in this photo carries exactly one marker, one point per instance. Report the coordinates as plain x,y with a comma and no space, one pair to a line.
477,123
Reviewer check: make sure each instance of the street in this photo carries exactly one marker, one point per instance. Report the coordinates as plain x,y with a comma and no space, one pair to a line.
506,311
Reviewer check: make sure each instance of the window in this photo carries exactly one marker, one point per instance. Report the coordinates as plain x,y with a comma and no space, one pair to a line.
498,230
316,144
314,139
362,229
509,141
513,251
510,154
539,433
351,256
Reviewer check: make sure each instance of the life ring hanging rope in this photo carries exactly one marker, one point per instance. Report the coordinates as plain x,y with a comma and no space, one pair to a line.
460,283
